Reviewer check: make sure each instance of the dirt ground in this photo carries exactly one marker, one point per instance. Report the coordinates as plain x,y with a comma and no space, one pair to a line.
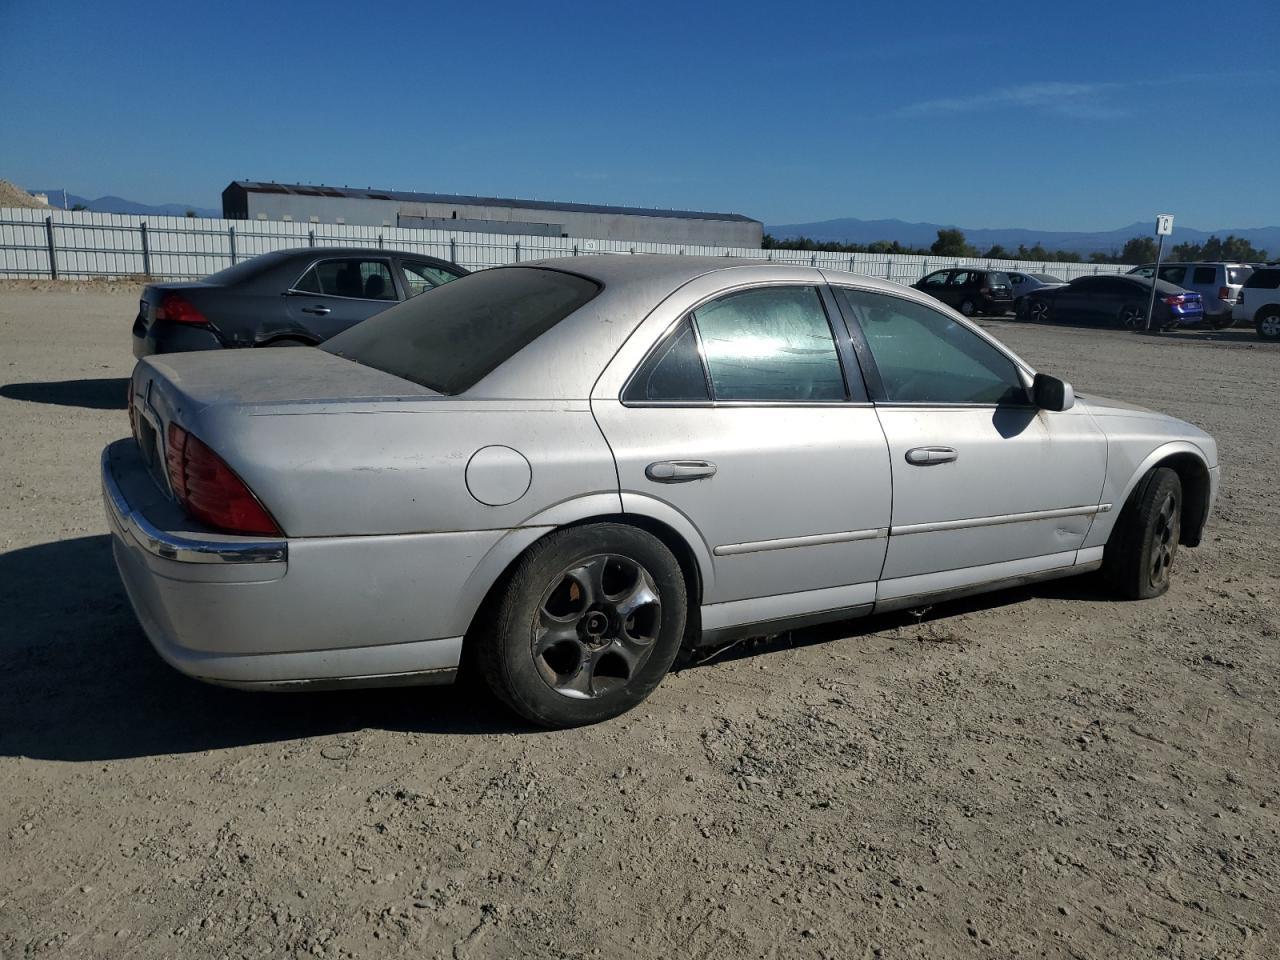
1036,773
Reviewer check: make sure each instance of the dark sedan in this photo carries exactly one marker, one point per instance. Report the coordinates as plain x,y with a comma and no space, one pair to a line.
287,298
971,290
1114,300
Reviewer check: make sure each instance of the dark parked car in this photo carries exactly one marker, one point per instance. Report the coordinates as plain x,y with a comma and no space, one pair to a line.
1115,300
971,290
287,298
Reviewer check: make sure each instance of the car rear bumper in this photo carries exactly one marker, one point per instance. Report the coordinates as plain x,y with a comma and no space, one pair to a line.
280,613
166,337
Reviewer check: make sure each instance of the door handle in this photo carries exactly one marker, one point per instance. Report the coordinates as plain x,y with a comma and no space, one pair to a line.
318,311
679,471
928,456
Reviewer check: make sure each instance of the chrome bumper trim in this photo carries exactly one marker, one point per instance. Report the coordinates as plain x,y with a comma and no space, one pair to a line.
170,546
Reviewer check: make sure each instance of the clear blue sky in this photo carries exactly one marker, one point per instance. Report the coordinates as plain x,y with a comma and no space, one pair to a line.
1057,116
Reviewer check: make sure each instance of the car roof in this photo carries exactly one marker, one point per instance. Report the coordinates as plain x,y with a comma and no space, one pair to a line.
565,361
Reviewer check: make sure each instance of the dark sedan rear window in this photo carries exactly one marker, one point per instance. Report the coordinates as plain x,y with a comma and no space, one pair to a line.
452,339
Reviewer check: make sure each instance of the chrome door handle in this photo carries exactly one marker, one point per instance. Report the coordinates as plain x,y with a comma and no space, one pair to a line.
679,471
318,311
928,456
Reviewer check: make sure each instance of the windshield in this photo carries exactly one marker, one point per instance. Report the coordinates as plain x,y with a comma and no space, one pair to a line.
464,330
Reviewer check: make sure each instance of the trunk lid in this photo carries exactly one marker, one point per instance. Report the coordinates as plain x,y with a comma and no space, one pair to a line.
177,387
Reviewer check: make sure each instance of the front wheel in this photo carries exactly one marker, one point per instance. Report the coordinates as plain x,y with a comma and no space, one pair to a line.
1038,311
1139,556
589,623
1268,325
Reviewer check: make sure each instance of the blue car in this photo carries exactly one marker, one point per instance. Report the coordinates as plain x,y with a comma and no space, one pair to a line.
1118,300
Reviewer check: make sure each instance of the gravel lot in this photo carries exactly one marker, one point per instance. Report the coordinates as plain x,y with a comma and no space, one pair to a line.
1036,773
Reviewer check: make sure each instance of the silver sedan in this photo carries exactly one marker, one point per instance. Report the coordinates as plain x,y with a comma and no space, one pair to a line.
563,472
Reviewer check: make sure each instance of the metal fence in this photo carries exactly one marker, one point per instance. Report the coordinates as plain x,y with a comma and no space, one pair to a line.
75,244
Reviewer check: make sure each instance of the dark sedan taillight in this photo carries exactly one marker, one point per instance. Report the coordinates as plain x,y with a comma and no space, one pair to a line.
1177,300
179,309
210,491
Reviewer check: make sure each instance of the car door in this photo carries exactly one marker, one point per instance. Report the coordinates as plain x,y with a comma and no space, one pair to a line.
1077,302
334,293
985,485
748,419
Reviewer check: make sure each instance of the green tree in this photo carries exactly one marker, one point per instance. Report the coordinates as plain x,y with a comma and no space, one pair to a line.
997,252
951,243
1138,250
78,206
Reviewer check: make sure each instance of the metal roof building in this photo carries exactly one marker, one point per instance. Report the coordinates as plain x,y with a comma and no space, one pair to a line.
252,200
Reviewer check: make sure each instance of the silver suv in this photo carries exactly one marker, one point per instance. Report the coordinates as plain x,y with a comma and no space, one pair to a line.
1217,283
1259,302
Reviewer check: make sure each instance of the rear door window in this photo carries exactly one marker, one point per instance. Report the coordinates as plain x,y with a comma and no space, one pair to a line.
1174,275
672,373
1264,280
1205,275
770,344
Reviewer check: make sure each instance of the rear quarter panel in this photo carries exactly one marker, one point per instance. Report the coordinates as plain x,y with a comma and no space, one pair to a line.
360,468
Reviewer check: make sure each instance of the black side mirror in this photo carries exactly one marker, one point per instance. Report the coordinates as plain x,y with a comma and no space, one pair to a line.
1050,393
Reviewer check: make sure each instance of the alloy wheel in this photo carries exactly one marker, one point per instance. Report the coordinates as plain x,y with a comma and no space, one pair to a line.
1131,318
596,626
1039,311
1164,539
1269,326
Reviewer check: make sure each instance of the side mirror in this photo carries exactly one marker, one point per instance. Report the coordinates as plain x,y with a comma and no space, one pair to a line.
1050,393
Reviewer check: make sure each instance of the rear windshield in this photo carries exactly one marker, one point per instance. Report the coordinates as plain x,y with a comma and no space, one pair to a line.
997,279
452,339
247,269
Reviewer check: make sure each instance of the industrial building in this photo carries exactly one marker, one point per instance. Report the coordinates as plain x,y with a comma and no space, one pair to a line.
250,200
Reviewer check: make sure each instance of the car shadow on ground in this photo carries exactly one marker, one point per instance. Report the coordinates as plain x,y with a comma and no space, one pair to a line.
107,393
79,681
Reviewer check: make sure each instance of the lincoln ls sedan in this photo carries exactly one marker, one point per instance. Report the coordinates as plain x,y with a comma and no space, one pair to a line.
561,473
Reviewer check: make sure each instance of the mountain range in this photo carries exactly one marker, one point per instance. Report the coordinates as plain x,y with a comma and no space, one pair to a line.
851,230
121,205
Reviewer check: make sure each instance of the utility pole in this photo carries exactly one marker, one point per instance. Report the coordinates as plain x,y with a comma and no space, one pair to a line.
1164,228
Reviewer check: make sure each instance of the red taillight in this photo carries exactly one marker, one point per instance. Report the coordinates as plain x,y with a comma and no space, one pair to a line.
1176,300
179,309
210,491
1224,293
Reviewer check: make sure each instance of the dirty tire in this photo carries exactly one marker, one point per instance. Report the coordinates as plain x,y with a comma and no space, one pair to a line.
1140,554
589,622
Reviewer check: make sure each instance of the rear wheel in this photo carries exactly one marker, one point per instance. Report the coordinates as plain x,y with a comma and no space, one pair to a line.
1139,556
967,308
1132,317
589,623
1268,325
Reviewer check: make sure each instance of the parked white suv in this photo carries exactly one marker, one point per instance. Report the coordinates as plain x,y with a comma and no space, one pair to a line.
1259,302
1217,283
